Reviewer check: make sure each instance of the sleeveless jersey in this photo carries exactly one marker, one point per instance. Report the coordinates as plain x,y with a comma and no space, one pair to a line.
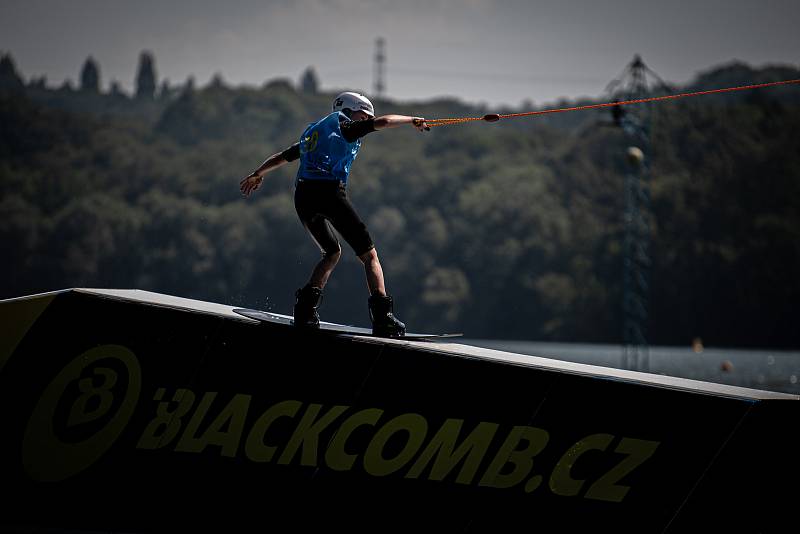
324,153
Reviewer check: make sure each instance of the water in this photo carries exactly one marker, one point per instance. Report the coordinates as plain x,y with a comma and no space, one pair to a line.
771,370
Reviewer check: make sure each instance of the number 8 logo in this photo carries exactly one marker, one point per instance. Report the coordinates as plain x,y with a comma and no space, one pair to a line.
311,142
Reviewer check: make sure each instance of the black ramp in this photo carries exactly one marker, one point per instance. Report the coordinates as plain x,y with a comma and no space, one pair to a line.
133,411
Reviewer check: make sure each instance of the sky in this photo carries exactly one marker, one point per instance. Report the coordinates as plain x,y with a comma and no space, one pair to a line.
491,52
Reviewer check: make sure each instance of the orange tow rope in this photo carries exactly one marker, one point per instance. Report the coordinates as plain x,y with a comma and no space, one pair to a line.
496,117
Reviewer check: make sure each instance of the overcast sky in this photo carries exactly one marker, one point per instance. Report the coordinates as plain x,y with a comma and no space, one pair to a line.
482,51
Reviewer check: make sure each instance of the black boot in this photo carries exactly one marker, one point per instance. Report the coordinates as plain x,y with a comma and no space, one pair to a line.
384,323
305,308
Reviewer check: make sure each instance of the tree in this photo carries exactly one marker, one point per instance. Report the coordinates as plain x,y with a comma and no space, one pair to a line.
309,83
90,76
146,76
165,92
217,82
188,87
9,78
116,89
39,82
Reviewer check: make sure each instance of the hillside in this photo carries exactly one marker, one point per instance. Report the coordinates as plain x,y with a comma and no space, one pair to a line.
506,230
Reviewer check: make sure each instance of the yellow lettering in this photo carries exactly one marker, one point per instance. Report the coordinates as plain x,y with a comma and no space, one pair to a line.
307,434
233,416
638,450
416,426
255,448
522,460
188,441
442,444
336,457
561,481
166,425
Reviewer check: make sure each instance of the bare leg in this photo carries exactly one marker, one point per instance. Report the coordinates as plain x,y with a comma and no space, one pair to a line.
374,272
323,269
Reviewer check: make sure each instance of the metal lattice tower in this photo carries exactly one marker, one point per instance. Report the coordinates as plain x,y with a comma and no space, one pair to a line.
637,216
379,73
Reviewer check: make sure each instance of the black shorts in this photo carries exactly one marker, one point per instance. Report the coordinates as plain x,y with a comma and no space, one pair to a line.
322,203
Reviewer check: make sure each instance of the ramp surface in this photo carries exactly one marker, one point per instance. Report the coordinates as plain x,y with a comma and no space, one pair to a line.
333,328
133,411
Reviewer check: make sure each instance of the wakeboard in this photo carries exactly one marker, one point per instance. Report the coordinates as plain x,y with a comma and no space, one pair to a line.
334,328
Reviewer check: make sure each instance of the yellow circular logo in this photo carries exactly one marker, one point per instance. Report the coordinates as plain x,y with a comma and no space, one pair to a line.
311,142
81,413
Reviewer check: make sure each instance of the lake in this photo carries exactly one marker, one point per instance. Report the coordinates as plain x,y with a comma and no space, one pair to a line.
772,370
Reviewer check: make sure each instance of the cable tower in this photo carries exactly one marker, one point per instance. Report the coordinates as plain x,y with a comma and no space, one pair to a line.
379,73
633,83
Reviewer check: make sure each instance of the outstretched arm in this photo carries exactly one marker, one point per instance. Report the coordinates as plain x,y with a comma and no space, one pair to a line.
253,181
393,121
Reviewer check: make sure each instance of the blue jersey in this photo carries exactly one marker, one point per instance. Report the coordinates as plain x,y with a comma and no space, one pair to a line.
324,152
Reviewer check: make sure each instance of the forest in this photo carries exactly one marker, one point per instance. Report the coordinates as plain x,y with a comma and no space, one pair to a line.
508,230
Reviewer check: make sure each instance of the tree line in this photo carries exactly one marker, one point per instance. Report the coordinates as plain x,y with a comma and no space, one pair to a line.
512,230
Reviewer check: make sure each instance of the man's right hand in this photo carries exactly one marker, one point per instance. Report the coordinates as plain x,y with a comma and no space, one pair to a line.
250,184
420,124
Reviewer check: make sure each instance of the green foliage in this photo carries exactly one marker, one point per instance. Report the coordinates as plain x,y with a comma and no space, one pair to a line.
509,230
90,76
146,76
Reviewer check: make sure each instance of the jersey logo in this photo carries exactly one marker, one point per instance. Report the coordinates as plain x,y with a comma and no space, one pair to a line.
310,142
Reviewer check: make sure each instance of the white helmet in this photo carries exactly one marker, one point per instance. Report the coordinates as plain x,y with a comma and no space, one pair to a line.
354,102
